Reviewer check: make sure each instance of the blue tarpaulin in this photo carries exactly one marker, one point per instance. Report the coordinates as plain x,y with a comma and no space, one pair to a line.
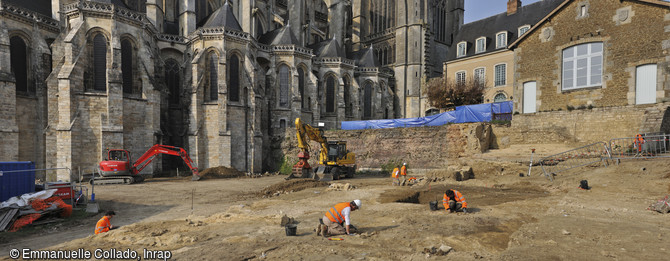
462,114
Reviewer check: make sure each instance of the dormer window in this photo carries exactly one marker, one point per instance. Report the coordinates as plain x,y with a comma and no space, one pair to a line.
462,48
481,45
523,29
501,40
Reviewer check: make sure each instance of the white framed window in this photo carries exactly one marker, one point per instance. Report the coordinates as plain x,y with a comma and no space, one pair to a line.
500,74
460,77
523,29
481,45
501,40
582,66
462,49
480,74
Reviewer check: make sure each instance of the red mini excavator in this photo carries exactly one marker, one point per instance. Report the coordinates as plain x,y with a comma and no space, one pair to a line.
117,167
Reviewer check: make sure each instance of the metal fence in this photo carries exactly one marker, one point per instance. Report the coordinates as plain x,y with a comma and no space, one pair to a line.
644,147
595,153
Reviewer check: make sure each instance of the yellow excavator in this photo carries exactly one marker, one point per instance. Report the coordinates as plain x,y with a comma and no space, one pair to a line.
335,161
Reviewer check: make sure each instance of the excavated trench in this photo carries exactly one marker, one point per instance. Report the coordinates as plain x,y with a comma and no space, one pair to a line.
474,195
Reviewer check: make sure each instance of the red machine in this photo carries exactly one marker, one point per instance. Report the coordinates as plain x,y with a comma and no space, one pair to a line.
117,168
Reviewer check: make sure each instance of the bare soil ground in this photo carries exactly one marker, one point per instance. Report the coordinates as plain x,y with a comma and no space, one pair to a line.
512,217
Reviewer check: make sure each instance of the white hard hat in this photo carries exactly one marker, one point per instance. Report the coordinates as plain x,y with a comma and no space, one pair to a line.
358,203
404,163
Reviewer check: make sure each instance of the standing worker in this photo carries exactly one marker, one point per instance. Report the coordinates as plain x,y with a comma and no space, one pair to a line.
103,224
396,176
403,173
336,217
453,201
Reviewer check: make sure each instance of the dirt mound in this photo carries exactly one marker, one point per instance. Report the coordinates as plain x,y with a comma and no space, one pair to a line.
292,185
221,172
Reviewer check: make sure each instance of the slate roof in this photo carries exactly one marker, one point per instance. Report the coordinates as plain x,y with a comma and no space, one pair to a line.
490,26
279,36
367,58
328,48
223,17
40,6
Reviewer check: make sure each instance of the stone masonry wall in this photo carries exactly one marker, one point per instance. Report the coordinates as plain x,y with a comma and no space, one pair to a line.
29,128
632,33
583,126
431,147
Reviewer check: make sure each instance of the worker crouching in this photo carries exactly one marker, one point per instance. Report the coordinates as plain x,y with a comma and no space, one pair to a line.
104,223
453,201
336,221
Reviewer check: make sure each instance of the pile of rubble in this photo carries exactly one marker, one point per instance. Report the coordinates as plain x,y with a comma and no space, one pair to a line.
18,212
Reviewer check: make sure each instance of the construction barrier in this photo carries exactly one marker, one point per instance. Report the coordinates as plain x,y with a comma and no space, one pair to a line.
639,147
595,153
642,146
462,114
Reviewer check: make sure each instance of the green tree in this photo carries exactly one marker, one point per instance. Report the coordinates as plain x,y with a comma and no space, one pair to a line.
445,94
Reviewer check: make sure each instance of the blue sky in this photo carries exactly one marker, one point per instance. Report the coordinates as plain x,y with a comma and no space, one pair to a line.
479,9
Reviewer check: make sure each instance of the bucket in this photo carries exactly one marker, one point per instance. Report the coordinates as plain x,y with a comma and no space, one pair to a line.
433,205
584,184
291,230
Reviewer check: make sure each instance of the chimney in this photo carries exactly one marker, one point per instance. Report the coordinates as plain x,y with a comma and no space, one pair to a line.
512,6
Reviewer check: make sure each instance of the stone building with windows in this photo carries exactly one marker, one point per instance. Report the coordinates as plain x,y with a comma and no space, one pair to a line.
481,48
593,53
225,79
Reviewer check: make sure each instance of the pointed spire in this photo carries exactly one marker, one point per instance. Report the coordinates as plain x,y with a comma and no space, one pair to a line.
224,17
368,59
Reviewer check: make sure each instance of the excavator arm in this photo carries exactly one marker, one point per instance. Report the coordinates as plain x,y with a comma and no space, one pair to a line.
150,154
305,133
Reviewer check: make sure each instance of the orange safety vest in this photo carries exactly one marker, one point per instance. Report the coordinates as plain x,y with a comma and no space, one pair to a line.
103,225
395,173
638,142
335,213
458,197
403,171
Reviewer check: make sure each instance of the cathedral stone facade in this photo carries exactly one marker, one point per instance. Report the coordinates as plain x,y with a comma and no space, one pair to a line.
223,79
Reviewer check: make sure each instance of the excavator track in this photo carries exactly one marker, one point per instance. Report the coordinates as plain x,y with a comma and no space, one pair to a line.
116,180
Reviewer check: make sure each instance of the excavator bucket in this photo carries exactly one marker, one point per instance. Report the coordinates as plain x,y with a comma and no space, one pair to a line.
320,174
195,178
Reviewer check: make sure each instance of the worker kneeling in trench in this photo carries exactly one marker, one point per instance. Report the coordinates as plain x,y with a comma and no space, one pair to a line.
336,221
453,201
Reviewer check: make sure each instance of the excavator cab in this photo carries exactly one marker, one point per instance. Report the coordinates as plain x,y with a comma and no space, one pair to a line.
118,155
337,150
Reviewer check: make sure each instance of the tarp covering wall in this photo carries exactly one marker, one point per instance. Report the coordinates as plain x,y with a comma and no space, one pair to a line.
462,114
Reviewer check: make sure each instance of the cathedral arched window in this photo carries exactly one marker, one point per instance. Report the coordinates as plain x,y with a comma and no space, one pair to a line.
234,78
301,87
173,81
367,100
330,94
19,64
99,63
284,84
212,93
127,65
